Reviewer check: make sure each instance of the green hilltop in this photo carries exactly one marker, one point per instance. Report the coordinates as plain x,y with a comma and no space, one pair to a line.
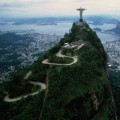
73,78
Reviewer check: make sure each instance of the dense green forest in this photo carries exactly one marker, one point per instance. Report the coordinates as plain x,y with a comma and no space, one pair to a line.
115,84
80,91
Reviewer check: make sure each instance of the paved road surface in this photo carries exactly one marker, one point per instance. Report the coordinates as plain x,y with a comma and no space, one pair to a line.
59,54
42,86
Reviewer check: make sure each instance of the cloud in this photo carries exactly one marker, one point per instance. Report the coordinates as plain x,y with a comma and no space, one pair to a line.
57,7
13,4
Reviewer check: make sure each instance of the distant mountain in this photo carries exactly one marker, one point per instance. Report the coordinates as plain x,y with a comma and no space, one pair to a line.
96,20
116,30
97,29
100,20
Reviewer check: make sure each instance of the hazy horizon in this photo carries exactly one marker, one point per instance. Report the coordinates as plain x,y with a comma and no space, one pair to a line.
50,8
117,17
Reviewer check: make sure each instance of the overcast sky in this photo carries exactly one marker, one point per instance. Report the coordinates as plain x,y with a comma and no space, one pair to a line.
18,8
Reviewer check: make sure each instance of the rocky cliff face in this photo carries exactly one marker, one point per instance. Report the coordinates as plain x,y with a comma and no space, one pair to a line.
77,86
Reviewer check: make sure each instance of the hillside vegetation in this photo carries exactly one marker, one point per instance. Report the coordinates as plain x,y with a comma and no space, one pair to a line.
78,91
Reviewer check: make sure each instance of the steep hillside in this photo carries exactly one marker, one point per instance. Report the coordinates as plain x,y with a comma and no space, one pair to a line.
73,80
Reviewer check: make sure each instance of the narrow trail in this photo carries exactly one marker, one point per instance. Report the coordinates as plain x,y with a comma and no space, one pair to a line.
46,92
42,87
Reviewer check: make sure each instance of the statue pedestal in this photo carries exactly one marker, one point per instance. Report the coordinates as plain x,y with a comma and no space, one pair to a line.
80,20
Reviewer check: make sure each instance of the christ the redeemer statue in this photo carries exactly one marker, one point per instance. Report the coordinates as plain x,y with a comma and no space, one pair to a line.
81,14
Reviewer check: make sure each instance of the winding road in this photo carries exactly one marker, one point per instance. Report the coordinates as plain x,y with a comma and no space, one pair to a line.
42,87
28,75
46,61
79,47
59,54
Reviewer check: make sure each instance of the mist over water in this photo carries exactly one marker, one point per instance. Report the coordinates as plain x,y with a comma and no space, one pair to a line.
105,37
60,29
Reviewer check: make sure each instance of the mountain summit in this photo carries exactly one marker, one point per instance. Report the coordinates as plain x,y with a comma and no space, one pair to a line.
69,82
